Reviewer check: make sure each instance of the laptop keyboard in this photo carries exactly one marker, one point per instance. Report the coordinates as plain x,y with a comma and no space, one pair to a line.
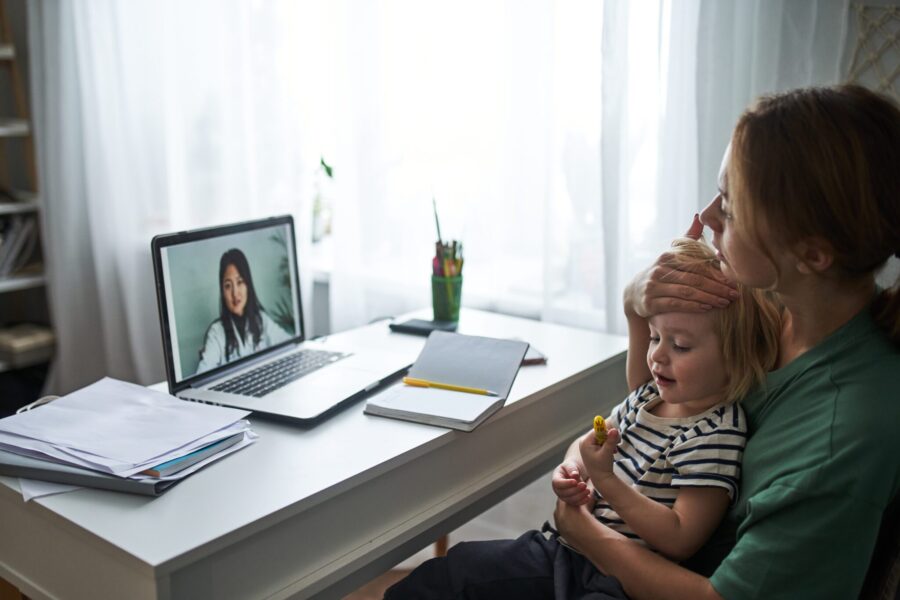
276,374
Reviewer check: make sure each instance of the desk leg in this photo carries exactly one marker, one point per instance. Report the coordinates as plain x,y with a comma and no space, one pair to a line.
440,546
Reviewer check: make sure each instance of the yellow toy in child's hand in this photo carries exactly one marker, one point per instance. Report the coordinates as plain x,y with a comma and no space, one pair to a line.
599,429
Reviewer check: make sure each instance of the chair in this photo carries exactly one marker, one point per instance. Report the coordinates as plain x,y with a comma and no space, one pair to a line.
883,576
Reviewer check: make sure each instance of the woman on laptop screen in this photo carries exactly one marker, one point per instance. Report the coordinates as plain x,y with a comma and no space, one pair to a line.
243,326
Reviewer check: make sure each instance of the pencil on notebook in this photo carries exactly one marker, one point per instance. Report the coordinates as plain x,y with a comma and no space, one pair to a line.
446,386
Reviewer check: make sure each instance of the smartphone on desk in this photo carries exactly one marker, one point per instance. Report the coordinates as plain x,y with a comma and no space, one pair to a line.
423,327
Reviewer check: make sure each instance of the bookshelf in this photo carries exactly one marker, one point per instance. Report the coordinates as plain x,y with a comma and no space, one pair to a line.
14,283
22,280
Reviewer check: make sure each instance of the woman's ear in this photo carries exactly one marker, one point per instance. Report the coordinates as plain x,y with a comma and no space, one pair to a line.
815,255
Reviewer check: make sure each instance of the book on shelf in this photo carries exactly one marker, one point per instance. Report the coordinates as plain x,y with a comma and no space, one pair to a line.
9,230
19,240
26,344
458,381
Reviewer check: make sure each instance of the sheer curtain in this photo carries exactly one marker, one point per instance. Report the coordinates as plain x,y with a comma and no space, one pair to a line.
452,103
565,143
540,130
152,117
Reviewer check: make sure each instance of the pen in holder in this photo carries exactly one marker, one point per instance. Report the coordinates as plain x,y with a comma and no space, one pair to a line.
446,275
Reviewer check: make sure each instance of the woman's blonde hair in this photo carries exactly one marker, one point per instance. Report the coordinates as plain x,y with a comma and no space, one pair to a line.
824,163
748,329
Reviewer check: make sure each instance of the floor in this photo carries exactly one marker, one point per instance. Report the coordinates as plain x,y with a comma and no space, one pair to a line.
374,590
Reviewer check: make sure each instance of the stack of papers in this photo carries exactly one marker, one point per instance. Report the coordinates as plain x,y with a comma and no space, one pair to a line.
119,435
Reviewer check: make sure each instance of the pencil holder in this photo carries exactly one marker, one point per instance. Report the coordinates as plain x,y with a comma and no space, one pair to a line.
446,293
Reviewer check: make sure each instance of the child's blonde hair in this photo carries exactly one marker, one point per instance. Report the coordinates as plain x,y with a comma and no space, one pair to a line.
748,329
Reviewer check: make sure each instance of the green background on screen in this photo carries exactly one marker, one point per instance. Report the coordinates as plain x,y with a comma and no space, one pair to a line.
194,273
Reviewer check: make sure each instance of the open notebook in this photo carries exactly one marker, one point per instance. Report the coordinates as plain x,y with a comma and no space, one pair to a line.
453,359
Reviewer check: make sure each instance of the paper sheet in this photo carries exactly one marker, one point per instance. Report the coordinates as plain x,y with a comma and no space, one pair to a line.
127,423
43,450
33,488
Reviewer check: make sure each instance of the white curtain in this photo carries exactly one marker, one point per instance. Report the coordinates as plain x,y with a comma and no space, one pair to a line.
453,102
564,142
152,117
750,48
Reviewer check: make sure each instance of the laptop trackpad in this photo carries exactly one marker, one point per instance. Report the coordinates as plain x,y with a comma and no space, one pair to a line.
317,391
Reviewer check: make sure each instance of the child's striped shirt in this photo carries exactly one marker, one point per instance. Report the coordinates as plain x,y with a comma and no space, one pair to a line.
659,455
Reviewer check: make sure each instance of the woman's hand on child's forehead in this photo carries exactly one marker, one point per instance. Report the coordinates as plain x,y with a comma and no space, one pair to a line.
706,279
669,285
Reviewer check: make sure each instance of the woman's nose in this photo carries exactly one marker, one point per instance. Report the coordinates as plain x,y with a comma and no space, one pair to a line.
710,215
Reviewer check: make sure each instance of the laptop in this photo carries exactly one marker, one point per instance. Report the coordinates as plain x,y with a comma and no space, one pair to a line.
233,331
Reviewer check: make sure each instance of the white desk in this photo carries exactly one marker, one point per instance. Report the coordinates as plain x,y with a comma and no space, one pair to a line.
317,511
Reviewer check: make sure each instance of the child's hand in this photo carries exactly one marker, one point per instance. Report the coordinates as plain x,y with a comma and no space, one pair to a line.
598,458
572,522
570,484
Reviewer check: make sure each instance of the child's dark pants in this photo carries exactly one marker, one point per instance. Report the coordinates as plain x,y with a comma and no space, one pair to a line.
530,567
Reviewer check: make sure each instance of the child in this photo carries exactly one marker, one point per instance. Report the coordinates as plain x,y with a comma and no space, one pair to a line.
670,481
671,463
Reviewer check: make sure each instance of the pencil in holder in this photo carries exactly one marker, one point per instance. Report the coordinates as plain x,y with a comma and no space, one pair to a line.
446,293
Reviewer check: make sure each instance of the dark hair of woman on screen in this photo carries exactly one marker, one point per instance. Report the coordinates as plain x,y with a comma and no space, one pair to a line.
238,304
243,326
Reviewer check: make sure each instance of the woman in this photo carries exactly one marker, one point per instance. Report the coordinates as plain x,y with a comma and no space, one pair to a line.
809,208
243,327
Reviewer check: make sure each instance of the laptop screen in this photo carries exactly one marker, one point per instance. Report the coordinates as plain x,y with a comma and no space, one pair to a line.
226,294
